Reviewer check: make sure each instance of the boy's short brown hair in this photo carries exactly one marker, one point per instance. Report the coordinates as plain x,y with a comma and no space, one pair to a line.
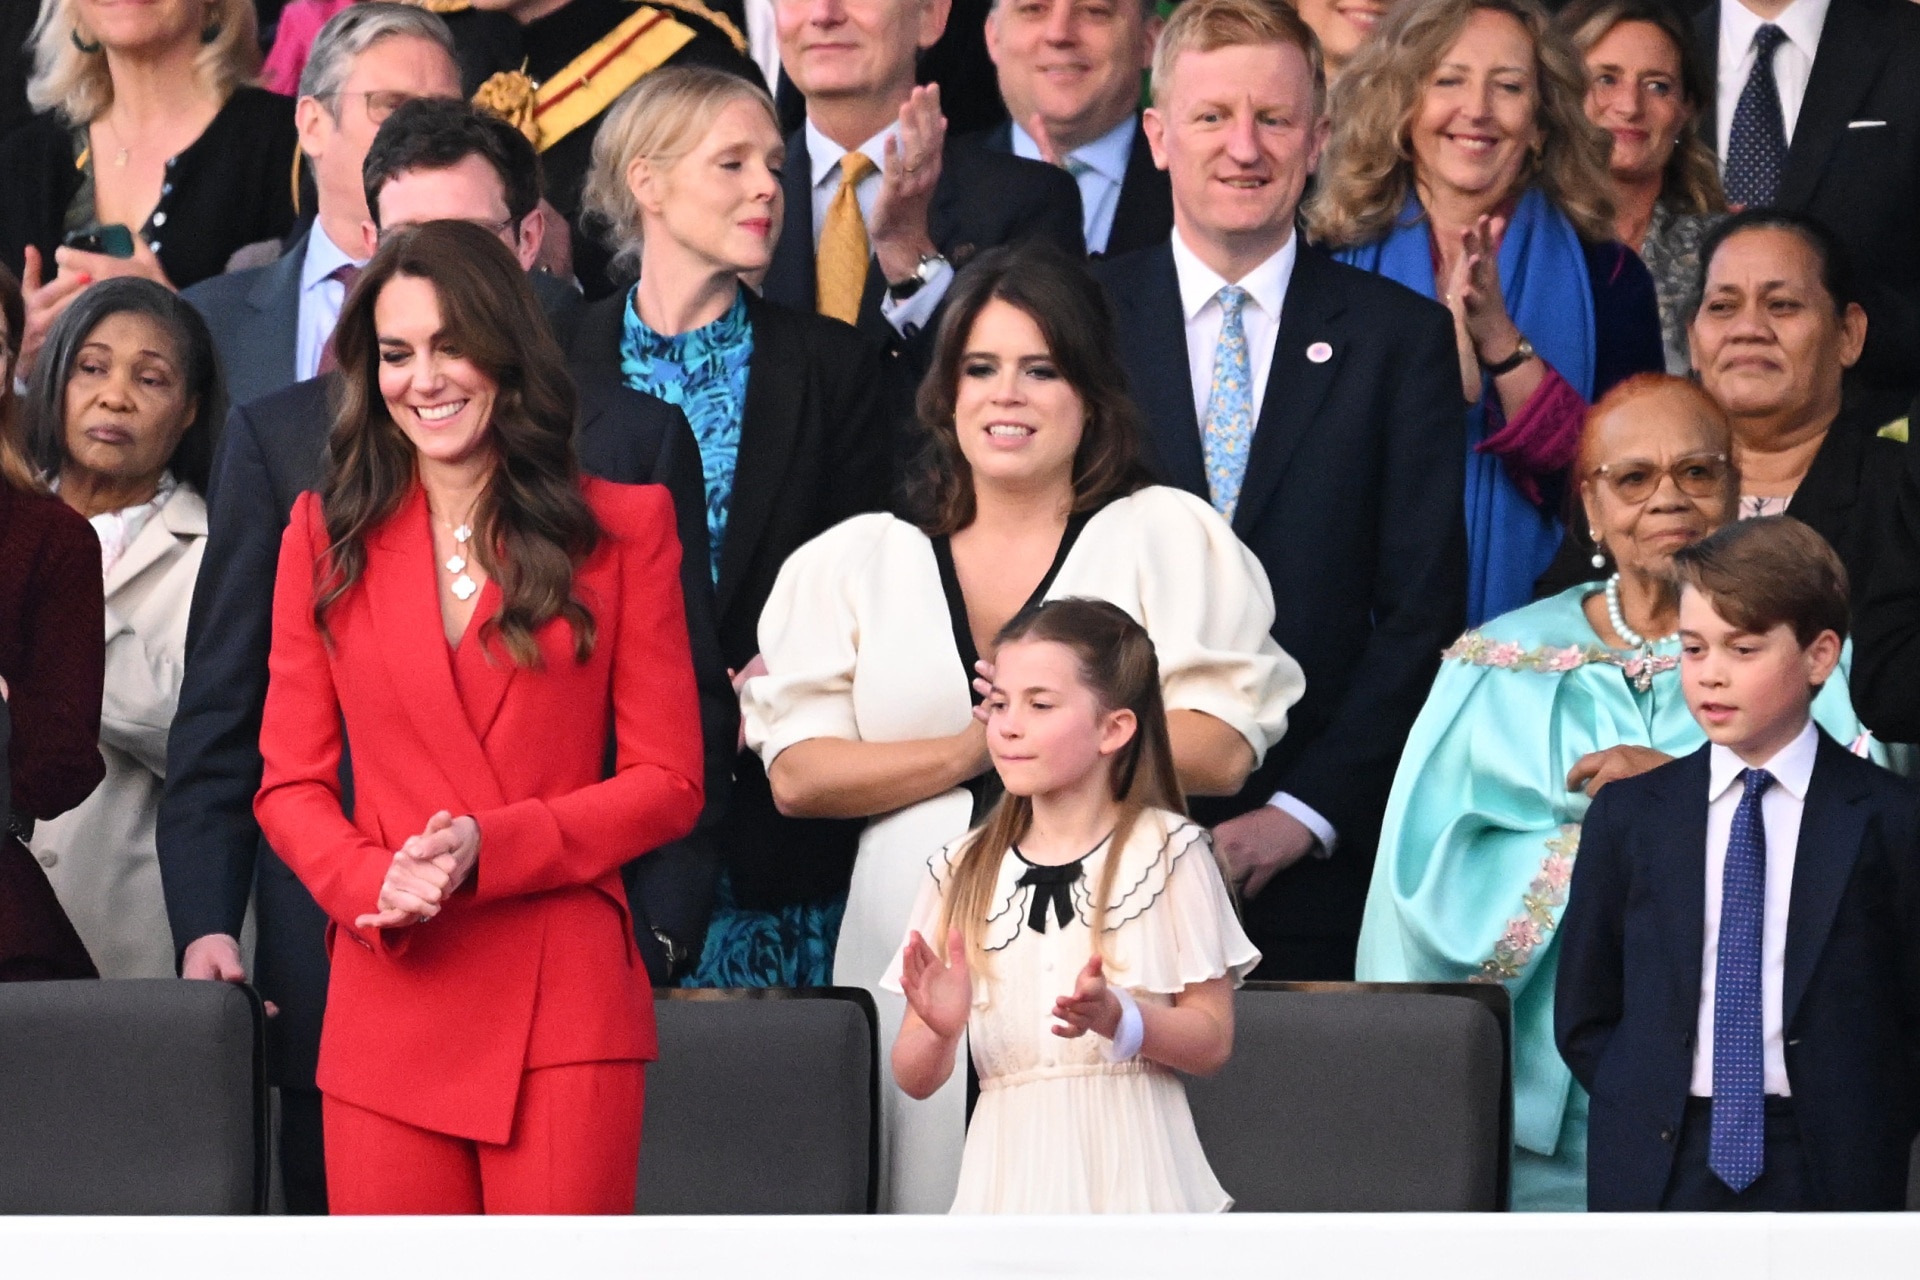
1761,573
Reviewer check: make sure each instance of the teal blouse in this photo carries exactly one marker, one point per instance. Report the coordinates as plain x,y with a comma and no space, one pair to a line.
1481,833
704,372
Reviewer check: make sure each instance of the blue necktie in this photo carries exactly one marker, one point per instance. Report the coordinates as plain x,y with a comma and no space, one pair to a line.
1736,1150
1757,143
1227,433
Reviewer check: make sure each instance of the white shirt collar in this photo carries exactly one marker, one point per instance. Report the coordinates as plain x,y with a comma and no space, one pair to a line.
1266,284
1107,155
1800,21
823,153
324,257
1791,766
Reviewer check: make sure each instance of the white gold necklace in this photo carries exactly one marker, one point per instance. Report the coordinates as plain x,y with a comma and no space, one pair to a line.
463,585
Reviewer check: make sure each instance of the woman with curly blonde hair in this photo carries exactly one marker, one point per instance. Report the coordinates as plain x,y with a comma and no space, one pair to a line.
1462,165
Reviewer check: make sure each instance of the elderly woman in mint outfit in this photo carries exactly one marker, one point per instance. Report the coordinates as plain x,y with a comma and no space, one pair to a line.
1462,165
785,407
1530,715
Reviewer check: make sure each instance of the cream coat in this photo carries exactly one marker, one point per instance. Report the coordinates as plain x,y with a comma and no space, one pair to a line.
100,856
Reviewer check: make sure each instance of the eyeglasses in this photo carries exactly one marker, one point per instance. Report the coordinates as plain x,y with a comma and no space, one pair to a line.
1698,475
381,103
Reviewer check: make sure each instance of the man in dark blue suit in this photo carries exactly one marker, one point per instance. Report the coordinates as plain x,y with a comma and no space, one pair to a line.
1739,984
1318,408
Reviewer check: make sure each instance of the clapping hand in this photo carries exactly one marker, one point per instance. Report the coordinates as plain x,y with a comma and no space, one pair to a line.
941,994
897,226
427,870
1092,1006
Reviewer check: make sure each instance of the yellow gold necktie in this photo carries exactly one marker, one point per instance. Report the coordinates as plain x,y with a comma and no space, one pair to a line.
840,264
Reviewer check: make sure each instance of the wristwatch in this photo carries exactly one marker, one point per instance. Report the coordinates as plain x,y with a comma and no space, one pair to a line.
1521,354
928,267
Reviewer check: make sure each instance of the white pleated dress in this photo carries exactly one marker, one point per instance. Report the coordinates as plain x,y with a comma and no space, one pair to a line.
1058,1128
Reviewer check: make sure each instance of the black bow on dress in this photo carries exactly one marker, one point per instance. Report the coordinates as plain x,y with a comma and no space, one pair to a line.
1050,884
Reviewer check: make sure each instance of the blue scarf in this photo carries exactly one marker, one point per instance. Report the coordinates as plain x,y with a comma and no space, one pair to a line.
1549,294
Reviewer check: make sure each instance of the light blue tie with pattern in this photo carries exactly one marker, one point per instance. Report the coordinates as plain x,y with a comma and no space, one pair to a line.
1737,1146
1228,431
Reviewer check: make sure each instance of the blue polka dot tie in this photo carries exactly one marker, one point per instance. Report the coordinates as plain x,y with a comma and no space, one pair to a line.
1757,144
1228,431
1736,1150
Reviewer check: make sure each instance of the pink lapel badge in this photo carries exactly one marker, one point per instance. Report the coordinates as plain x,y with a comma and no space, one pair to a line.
1320,352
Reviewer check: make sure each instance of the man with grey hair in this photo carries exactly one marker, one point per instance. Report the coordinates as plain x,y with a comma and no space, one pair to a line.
271,324
1069,73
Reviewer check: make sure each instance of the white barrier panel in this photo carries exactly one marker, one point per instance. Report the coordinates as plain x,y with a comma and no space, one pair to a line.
1304,1247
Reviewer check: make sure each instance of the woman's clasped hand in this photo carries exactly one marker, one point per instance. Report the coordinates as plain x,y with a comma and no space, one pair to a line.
426,871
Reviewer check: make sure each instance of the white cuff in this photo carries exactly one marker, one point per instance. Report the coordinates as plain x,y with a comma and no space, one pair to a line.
1303,813
911,316
1128,1036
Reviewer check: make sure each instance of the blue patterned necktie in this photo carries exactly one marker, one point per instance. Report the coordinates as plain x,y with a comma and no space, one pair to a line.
1228,431
1757,144
1736,1150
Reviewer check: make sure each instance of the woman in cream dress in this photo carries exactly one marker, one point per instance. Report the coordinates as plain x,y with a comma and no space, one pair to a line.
1033,490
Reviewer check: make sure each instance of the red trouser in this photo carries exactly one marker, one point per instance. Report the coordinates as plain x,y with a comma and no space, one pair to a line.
575,1149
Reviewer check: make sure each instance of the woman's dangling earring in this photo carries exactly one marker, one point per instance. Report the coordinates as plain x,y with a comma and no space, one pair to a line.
1599,551
83,45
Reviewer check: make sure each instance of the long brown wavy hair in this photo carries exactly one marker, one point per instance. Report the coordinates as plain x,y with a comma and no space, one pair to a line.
532,526
1368,167
1071,311
1691,181
1117,663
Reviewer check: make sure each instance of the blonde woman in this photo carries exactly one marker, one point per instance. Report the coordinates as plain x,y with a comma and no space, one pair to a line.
150,129
1646,87
1462,164
786,408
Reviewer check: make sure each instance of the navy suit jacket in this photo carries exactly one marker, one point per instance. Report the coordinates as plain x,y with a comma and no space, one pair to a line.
1627,1004
210,850
1352,501
1144,216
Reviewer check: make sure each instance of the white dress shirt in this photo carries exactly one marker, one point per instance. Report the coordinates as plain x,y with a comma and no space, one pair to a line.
1102,169
320,300
1800,22
824,154
1781,806
1266,287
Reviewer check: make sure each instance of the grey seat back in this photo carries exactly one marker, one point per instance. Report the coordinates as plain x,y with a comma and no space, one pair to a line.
137,1097
762,1102
1348,1097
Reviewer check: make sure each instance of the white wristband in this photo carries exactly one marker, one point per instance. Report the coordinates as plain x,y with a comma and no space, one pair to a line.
1129,1034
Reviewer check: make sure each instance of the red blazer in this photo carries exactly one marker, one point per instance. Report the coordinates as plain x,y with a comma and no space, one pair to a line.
532,963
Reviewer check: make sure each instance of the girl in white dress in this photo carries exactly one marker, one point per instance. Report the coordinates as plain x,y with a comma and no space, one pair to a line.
1034,490
1086,903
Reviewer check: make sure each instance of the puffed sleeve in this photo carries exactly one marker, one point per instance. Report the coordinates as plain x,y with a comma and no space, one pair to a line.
809,639
1205,600
1174,925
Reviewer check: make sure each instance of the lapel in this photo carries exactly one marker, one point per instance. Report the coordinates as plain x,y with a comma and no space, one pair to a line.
1144,215
1162,379
999,138
404,610
1296,386
276,297
769,426
1706,35
184,516
1676,859
790,279
1832,481
1848,60
1831,827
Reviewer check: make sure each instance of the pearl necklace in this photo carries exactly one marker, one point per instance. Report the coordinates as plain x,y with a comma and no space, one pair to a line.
1618,618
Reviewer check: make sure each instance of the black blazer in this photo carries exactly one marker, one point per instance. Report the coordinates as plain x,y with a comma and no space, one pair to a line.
1859,177
816,446
1144,216
1627,1002
210,850
1886,627
1850,493
1352,501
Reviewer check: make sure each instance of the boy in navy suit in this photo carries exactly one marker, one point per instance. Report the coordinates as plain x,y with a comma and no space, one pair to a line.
1739,981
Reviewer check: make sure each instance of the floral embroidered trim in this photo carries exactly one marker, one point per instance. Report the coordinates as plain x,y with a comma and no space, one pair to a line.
1528,931
1477,648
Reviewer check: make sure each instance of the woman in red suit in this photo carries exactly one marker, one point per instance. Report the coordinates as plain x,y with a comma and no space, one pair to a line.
478,618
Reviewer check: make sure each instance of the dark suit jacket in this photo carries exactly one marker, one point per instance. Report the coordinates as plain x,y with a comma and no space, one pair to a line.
1628,999
254,317
1863,182
210,850
1886,628
1352,501
1144,216
815,448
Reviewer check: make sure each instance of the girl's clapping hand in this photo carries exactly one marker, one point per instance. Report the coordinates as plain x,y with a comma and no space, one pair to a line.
941,994
1092,1006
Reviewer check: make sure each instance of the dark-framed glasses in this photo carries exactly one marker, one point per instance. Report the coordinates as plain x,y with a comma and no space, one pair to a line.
1698,475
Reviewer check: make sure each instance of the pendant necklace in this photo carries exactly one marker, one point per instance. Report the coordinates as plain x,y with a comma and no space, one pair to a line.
1643,678
463,585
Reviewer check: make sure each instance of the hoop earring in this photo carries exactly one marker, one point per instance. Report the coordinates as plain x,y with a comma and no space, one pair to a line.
82,45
